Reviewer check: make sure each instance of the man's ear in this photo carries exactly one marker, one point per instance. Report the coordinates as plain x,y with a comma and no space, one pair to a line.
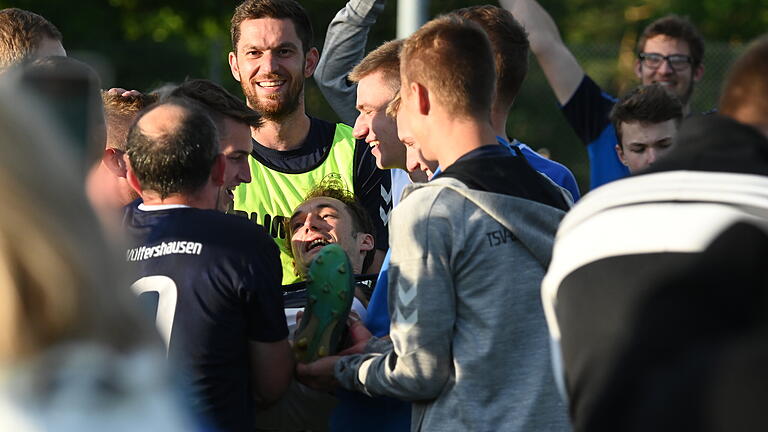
233,66
133,181
620,153
310,62
638,70
217,171
421,94
365,242
698,73
113,160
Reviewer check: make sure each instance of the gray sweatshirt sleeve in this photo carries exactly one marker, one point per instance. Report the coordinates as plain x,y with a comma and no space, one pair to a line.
423,308
343,49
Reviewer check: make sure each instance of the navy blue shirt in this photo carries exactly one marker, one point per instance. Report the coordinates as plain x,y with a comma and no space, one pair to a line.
213,281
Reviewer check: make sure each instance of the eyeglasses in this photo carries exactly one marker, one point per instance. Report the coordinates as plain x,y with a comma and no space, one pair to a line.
678,62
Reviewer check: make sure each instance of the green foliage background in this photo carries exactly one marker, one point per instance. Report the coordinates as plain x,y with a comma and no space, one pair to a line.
142,44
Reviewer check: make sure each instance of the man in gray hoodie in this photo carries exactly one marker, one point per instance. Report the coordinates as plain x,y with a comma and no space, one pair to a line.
468,343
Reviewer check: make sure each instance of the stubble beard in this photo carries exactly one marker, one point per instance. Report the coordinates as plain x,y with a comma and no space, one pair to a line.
275,107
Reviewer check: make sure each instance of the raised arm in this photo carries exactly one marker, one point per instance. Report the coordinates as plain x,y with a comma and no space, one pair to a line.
344,47
558,63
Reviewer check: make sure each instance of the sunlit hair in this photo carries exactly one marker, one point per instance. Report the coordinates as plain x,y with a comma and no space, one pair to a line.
675,27
279,9
745,90
59,280
385,60
509,41
394,105
332,186
648,104
452,57
21,32
119,112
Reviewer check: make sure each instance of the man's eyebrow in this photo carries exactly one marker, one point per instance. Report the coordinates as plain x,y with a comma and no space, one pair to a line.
262,48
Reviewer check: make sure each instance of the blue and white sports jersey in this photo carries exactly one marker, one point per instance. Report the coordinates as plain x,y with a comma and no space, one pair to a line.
588,113
213,283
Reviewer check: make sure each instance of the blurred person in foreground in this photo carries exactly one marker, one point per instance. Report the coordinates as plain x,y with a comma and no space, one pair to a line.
25,35
672,322
745,91
74,353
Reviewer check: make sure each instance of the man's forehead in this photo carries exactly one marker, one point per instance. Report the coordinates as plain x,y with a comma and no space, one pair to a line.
318,203
268,33
236,137
666,45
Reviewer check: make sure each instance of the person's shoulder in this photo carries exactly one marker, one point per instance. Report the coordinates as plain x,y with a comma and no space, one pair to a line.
227,228
421,197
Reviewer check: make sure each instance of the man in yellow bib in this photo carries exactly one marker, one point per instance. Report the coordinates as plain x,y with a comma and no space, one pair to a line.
272,56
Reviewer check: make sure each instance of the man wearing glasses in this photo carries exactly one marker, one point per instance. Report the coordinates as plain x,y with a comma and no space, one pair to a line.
670,52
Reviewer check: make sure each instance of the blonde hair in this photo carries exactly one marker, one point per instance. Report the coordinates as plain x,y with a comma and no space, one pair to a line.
59,280
452,57
384,59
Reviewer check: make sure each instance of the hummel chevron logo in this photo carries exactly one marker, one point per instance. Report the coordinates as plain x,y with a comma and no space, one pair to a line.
406,297
386,195
384,215
404,323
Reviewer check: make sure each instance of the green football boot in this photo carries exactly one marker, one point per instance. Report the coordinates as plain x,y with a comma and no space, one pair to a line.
330,289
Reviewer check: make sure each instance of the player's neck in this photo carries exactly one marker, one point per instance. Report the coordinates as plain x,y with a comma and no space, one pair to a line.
499,122
457,137
286,134
198,200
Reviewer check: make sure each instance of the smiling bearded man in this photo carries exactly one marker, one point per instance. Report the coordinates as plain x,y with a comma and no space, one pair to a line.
272,55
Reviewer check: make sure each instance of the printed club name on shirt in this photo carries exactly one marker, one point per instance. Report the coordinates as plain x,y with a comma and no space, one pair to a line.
169,248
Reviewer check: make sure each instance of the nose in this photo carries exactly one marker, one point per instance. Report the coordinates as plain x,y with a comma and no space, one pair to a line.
652,155
665,68
268,63
360,130
244,174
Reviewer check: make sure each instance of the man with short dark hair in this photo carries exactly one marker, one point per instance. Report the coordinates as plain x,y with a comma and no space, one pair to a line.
213,279
469,352
272,55
26,35
670,52
234,120
646,121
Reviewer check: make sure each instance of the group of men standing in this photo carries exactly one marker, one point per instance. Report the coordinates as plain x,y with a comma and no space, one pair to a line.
454,335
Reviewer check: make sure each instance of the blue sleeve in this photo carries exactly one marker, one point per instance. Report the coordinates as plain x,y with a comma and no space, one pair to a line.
588,113
377,320
558,173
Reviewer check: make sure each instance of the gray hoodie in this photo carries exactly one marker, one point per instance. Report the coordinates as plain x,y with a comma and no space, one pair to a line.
469,340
